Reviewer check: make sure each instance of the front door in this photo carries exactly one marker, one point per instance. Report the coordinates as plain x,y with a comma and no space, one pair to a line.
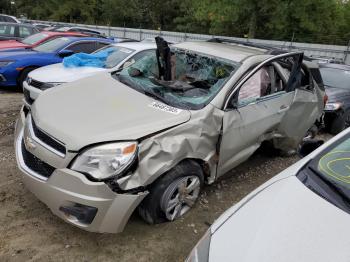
256,109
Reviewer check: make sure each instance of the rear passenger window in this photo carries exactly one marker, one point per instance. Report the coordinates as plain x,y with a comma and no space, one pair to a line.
84,47
101,45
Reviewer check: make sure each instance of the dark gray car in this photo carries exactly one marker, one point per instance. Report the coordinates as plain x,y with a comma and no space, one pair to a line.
16,31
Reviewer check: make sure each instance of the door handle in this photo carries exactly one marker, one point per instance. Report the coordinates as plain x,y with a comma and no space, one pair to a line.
282,109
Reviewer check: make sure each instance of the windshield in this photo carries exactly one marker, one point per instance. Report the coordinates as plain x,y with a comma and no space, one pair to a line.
53,45
335,77
331,169
32,39
115,55
195,78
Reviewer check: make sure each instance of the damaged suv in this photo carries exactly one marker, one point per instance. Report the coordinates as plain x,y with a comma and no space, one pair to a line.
151,135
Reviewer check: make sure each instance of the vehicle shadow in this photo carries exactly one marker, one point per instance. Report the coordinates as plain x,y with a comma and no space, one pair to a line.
10,89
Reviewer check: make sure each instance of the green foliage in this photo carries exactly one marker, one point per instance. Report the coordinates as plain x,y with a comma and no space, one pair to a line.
323,21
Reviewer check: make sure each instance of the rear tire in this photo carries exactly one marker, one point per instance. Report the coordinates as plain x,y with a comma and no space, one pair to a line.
23,75
172,195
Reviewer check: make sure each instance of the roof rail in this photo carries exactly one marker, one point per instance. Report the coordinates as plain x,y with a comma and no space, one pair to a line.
270,50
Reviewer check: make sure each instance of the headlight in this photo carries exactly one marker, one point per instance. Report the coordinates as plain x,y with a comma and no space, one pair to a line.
200,252
333,106
5,63
50,84
43,86
107,160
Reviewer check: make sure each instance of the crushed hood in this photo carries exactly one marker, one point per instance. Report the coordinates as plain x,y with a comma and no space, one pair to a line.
57,73
286,222
101,109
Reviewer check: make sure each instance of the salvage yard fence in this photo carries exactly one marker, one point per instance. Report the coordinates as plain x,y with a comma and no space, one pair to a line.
336,52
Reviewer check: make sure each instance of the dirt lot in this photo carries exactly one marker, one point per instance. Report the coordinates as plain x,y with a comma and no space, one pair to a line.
30,232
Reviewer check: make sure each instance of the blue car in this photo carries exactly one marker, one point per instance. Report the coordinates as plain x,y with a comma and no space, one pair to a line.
15,66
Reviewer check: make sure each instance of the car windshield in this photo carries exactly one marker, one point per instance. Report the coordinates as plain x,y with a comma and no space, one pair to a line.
32,39
335,77
53,45
195,78
331,171
116,54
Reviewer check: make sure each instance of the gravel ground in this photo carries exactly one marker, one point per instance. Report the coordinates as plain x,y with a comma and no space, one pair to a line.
30,232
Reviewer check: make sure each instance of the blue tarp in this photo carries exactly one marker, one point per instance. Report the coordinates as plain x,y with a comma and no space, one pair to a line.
82,59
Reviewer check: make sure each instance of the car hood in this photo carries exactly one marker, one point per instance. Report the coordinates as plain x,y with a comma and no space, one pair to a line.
58,73
21,54
285,222
100,109
336,94
12,44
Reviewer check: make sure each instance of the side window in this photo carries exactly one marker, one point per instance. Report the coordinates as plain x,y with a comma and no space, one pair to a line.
255,87
280,75
84,47
7,30
137,57
100,45
24,31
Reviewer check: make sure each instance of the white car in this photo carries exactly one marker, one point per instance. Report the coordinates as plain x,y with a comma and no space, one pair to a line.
46,77
302,214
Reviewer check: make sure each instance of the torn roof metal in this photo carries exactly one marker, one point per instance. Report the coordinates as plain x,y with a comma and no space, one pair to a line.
234,52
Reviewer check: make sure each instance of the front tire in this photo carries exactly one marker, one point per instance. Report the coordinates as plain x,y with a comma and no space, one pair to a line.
174,194
23,75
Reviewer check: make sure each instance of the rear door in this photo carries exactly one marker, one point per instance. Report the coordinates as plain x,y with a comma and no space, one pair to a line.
255,109
306,108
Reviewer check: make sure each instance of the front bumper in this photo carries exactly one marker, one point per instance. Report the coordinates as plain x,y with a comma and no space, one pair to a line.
8,77
67,188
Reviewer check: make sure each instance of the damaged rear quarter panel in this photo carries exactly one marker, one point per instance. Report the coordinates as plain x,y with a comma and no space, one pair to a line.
195,139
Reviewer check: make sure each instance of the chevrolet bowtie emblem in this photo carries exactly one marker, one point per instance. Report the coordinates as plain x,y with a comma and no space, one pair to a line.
29,143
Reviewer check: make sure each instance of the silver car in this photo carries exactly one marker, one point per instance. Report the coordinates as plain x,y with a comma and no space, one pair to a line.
302,214
151,135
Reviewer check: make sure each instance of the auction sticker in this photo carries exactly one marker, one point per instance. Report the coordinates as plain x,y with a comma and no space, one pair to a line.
165,108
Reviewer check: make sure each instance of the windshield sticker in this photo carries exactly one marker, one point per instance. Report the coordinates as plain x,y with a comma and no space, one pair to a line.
165,108
124,50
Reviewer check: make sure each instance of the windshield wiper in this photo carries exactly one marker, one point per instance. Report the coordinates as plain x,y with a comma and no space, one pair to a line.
126,81
155,95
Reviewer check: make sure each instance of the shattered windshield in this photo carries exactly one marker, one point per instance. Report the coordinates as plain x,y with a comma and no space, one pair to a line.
115,55
195,78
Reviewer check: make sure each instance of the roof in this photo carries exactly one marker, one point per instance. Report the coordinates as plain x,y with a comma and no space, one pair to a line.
16,24
234,52
335,66
138,46
62,33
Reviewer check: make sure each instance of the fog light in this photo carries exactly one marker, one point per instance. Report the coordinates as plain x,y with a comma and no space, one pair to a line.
84,214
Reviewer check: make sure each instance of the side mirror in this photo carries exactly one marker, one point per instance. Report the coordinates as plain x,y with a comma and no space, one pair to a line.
308,146
65,53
